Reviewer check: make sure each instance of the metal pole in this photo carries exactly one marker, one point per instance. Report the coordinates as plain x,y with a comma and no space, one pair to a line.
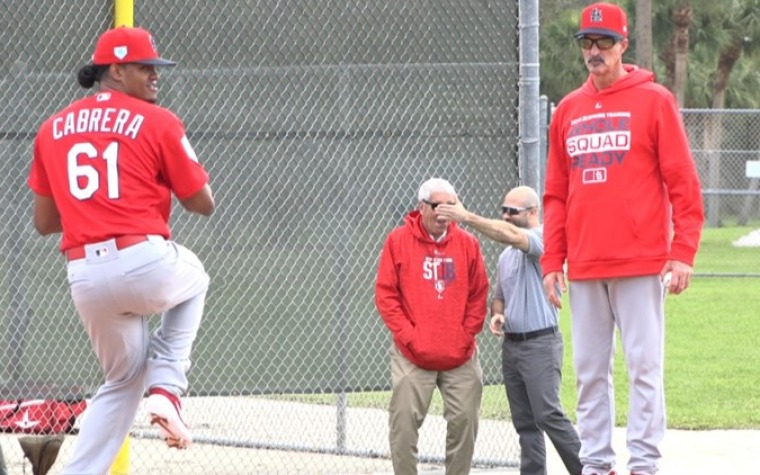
529,94
342,260
543,136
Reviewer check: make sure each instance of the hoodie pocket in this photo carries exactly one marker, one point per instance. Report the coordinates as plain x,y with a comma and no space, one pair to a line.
609,231
441,349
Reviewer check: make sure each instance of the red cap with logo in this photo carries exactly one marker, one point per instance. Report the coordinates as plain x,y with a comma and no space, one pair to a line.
603,19
127,45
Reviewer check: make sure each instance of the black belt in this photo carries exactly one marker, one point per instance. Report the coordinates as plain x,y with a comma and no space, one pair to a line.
531,335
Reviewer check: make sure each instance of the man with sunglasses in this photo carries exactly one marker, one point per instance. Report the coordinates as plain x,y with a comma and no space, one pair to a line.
532,348
431,292
623,209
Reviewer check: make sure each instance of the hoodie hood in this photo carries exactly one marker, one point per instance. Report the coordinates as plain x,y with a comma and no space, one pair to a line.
635,77
414,221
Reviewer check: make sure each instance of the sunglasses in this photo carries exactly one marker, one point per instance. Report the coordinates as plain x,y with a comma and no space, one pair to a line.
433,205
514,211
603,43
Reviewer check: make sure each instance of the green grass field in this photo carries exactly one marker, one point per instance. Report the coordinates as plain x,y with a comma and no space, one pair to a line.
712,359
712,367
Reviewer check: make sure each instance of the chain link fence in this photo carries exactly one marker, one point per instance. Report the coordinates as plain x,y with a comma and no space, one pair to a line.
317,120
722,142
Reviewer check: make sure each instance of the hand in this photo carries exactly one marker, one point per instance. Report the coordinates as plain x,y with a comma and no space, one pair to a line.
680,276
551,281
455,212
496,325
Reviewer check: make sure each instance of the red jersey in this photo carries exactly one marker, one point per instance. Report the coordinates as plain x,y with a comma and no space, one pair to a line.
432,295
110,162
622,193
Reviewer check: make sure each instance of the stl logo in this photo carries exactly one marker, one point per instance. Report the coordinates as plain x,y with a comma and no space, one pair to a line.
596,15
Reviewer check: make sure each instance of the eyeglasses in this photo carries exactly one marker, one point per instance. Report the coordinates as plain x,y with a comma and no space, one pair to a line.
514,211
603,43
433,205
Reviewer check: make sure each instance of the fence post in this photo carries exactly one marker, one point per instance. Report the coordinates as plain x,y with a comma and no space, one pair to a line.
529,93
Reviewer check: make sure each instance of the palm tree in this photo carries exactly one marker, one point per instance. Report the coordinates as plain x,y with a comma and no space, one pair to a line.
643,34
682,18
731,28
562,69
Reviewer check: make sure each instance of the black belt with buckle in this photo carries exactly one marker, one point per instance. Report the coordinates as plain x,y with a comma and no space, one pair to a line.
531,335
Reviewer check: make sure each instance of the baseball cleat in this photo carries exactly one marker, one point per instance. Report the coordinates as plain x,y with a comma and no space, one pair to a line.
165,411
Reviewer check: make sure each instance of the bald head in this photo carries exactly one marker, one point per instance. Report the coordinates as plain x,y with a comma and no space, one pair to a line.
523,196
520,207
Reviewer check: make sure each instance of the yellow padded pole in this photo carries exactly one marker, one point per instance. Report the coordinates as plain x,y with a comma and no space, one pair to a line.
123,15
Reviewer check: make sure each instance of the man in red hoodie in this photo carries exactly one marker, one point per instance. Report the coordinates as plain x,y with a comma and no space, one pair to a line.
431,292
623,207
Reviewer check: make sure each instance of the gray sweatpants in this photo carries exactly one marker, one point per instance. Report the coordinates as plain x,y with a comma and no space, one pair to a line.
635,305
114,291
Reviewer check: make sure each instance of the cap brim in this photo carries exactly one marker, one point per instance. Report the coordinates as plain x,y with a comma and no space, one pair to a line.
157,62
598,31
152,62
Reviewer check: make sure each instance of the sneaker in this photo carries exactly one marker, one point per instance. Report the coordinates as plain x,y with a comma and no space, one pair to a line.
165,410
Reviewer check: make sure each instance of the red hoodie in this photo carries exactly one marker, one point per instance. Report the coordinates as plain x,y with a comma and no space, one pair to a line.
618,159
432,295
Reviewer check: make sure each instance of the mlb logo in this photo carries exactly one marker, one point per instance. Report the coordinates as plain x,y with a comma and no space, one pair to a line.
120,52
102,252
594,175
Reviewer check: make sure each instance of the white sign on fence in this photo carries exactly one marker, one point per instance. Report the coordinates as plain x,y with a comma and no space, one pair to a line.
753,168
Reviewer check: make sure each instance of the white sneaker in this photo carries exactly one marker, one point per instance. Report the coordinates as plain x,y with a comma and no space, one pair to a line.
165,410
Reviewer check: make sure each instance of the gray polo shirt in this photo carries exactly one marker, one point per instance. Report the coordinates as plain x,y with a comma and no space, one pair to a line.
520,285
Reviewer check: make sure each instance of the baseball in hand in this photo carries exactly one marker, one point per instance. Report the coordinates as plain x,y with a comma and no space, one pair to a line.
666,279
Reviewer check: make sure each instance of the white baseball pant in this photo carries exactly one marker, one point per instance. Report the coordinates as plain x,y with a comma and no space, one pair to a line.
114,292
636,306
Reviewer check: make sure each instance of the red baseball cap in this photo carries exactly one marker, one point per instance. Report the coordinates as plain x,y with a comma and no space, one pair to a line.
127,45
603,19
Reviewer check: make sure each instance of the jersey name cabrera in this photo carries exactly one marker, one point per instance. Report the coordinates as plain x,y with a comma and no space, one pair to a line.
111,162
99,120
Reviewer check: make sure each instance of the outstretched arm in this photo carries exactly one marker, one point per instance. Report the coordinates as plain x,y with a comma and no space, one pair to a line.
497,230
